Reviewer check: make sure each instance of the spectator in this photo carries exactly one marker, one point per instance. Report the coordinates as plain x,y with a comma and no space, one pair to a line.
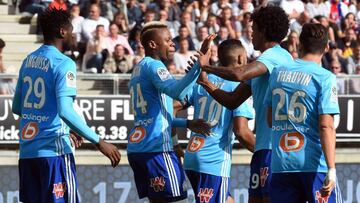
202,33
241,7
201,10
184,34
333,54
134,36
347,43
292,43
338,10
114,38
149,16
214,59
222,35
58,4
119,62
140,51
353,60
182,56
226,20
336,69
300,21
96,52
211,23
121,21
7,85
185,19
325,22
293,8
246,41
172,26
170,6
217,6
354,83
89,24
134,13
116,7
76,21
172,68
317,7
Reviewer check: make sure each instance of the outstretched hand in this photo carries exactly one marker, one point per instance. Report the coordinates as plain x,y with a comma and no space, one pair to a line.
75,140
199,126
110,151
205,46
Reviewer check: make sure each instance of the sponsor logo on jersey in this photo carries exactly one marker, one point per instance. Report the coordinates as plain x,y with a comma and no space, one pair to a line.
291,142
137,135
70,79
163,73
321,199
205,194
59,190
195,144
29,131
157,183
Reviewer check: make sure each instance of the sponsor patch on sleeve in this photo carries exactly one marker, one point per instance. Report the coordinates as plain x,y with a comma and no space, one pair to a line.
334,96
164,74
70,79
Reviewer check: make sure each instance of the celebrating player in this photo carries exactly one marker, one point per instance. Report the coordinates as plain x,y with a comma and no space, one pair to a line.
44,97
302,100
270,25
157,171
208,158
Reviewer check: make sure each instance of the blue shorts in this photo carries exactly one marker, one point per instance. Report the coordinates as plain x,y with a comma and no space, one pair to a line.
301,187
209,188
260,174
50,179
158,176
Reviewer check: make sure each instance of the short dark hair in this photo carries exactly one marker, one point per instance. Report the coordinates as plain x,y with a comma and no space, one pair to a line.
149,31
2,43
272,21
226,51
51,21
313,38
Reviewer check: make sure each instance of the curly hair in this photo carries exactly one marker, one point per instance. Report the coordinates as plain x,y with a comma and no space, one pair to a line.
272,21
51,21
313,38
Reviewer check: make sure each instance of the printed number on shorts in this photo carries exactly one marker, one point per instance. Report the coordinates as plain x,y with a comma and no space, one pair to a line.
195,144
29,131
38,88
137,135
291,142
137,100
257,179
296,111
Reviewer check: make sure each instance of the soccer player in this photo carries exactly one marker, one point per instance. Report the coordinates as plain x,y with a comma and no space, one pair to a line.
157,171
302,100
43,99
207,161
270,26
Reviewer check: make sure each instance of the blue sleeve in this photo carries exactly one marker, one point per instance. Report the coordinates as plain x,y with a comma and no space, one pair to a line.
179,122
268,58
16,105
65,79
73,120
166,83
328,100
245,109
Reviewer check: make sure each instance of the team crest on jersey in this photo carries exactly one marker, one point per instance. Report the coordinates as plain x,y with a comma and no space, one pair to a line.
137,135
205,194
163,73
70,79
195,144
320,199
59,190
157,183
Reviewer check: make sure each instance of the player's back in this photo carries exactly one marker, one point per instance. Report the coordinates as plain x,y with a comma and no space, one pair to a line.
271,58
301,91
153,110
212,154
45,75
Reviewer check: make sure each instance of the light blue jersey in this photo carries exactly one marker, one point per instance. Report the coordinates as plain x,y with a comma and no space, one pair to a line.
212,154
271,58
152,88
45,75
299,92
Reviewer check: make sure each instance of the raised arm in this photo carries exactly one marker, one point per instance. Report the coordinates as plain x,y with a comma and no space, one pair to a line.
230,100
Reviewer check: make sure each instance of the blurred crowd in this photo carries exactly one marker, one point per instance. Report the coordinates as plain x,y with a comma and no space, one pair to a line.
107,32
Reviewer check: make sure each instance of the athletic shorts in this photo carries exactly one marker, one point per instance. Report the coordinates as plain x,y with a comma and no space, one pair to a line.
209,188
50,179
301,187
158,175
260,174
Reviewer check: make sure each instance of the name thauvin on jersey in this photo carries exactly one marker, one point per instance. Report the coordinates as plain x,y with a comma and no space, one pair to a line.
38,62
294,77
